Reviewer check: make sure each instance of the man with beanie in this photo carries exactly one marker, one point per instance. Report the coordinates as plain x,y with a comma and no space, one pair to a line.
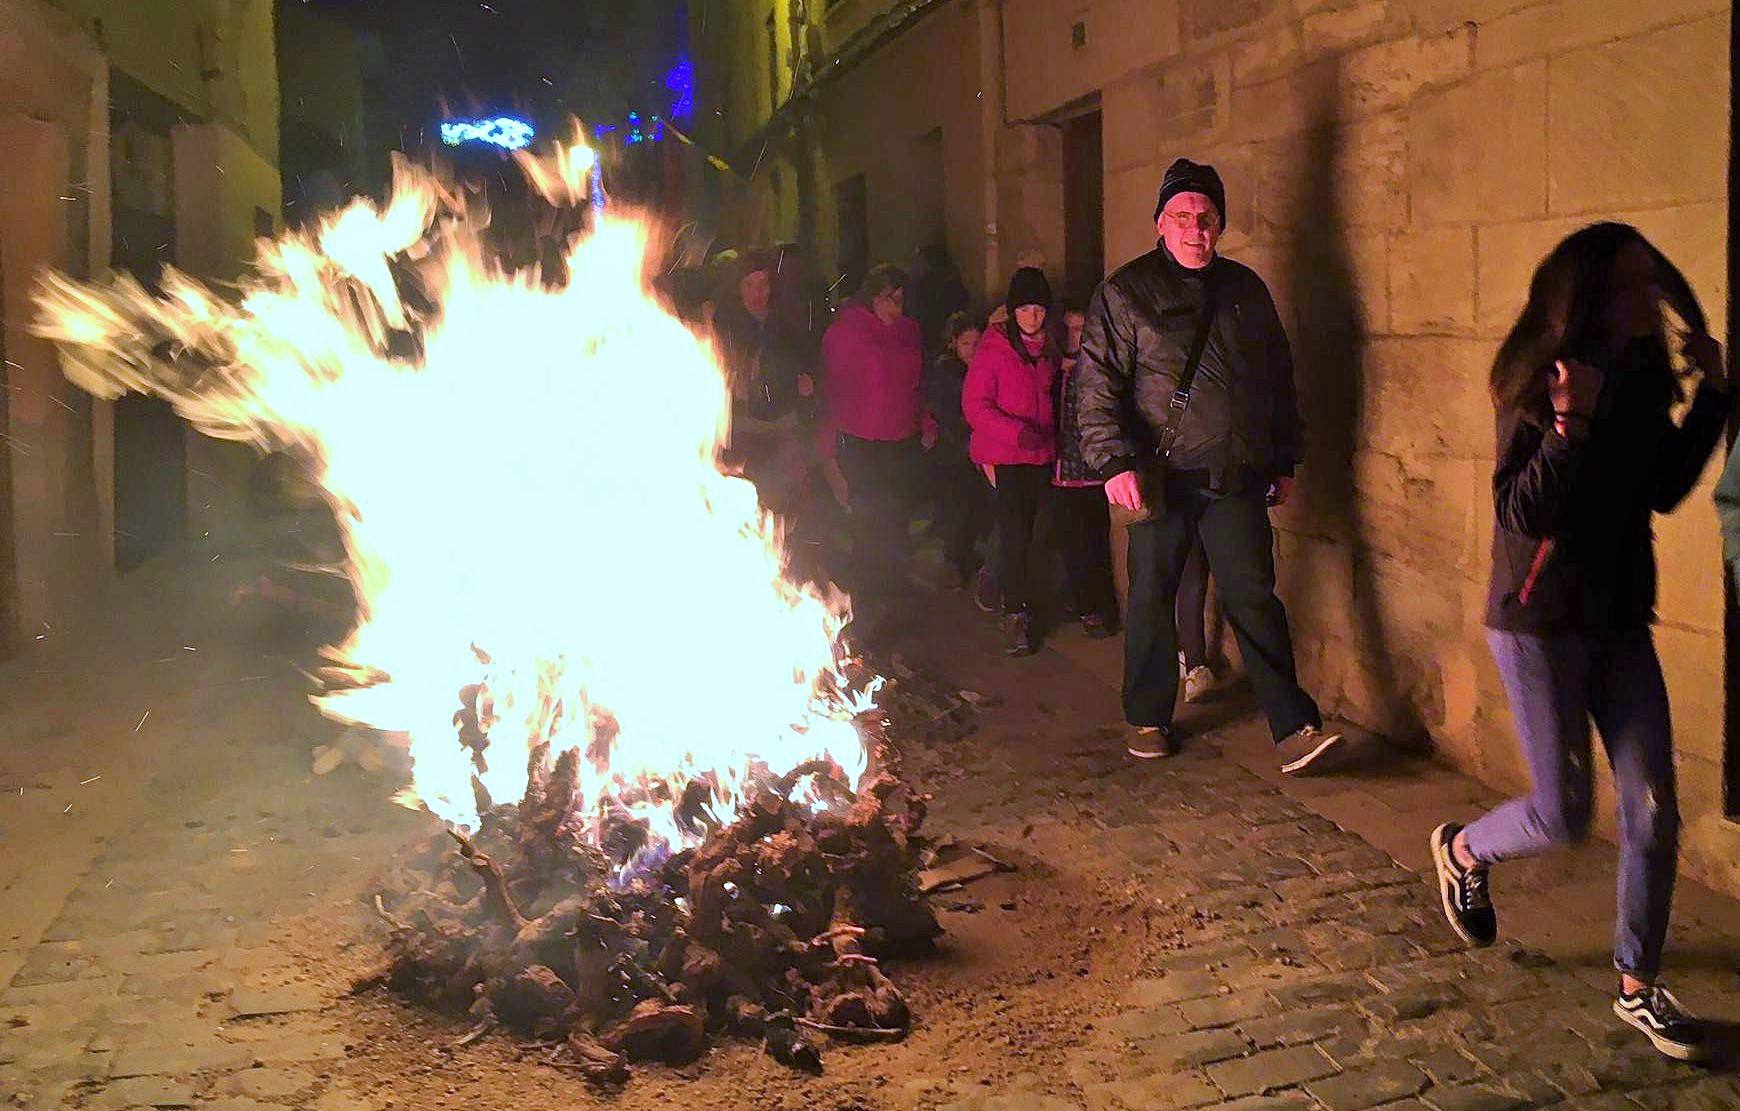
1007,399
1187,406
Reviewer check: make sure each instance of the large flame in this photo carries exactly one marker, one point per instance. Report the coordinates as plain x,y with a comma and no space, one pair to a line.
528,483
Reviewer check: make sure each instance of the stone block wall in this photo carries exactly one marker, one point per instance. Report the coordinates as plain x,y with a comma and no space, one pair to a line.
1396,169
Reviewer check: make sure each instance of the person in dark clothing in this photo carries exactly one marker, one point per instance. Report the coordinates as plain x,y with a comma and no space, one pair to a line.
1008,401
765,365
1235,438
1082,518
961,494
1587,454
937,292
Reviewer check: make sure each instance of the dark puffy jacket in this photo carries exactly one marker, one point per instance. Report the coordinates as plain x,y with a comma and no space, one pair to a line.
1072,469
1243,418
1573,548
943,380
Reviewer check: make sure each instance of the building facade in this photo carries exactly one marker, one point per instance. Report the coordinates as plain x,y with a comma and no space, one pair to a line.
1395,169
138,135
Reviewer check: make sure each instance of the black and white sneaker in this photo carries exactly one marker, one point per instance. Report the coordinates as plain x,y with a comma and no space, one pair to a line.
1151,742
1463,891
1669,1026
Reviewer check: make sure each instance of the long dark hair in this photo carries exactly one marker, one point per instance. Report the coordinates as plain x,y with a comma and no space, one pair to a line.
1566,315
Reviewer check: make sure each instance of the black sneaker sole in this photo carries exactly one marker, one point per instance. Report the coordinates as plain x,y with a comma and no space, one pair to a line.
1446,871
1665,1046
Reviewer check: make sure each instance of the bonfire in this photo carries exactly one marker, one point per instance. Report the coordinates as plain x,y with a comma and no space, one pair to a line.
668,808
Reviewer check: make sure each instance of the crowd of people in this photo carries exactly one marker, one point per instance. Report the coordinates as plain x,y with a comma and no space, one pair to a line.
1167,401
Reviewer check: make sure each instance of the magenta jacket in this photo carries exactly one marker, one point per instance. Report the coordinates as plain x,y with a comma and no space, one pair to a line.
1008,401
872,379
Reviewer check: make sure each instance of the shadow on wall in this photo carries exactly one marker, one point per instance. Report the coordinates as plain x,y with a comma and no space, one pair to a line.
1329,349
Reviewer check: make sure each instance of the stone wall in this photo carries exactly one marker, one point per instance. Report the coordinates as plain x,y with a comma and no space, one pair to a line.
54,521
1396,169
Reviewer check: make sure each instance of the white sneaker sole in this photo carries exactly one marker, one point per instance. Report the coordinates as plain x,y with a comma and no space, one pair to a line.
1329,743
1157,753
1663,1046
1447,884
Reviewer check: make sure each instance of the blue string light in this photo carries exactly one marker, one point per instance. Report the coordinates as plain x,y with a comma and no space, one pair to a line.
505,132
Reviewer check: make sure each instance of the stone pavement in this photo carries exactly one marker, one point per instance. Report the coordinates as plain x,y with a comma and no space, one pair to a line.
1293,961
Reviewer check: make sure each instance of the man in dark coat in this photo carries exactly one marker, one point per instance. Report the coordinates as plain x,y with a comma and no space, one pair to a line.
1236,438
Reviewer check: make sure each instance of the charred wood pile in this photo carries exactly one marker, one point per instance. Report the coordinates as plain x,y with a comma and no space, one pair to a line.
581,931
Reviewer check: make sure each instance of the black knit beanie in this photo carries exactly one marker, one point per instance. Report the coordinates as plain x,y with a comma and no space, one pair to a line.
1185,176
1028,287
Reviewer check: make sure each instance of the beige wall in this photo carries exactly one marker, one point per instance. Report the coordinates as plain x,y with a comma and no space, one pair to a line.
57,524
1395,170
215,58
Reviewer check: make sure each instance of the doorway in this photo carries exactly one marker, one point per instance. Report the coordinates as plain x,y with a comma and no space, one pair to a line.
150,440
1084,206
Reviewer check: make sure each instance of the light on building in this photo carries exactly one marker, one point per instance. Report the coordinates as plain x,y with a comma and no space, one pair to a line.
505,132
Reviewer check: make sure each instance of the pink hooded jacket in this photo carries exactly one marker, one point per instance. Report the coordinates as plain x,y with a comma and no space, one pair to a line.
1008,401
872,383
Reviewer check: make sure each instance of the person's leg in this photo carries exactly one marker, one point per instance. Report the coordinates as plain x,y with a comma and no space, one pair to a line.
875,516
1193,607
1239,545
955,516
1099,593
1548,681
1629,702
1019,489
1157,551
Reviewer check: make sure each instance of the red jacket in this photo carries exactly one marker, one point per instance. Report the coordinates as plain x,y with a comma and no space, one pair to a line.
1008,401
872,378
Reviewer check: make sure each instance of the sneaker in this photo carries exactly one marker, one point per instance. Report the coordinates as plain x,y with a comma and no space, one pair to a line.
1096,626
1151,742
1306,747
1018,634
985,593
1198,681
1463,891
1669,1027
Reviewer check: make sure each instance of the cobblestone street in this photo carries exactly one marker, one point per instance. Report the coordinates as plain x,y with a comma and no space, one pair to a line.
183,905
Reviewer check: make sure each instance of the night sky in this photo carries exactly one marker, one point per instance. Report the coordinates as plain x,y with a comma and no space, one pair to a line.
544,59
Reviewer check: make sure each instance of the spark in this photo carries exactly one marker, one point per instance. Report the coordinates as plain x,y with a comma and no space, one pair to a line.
68,809
147,714
88,782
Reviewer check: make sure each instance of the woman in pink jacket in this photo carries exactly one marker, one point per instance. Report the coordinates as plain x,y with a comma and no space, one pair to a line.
1008,402
876,424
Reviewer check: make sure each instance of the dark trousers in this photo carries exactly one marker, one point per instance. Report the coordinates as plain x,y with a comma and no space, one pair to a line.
1021,490
1556,683
1239,546
879,487
963,512
1192,609
1083,527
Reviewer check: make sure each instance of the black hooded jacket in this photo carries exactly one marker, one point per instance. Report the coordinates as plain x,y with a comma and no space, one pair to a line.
1243,418
1573,548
